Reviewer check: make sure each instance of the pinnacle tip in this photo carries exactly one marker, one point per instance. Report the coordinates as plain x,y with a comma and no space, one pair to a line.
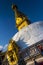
14,6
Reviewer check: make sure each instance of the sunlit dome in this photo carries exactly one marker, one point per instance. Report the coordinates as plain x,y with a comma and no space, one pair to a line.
29,35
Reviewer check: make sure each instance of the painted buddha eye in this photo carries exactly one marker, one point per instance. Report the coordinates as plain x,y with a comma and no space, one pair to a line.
18,20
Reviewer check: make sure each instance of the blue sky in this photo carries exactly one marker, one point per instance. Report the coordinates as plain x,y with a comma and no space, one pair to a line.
32,8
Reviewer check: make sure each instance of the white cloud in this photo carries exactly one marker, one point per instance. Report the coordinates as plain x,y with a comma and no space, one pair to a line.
1,47
5,46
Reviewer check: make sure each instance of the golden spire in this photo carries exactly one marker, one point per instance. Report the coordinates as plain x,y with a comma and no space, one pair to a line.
21,19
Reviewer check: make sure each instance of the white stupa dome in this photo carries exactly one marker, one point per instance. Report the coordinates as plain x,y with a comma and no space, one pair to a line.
29,35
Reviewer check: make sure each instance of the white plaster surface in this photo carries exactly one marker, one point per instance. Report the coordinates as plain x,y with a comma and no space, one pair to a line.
29,35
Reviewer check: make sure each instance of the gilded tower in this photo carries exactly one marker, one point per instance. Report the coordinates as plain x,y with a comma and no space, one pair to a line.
12,53
21,19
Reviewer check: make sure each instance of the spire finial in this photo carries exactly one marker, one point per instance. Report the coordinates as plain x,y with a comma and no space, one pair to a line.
14,7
